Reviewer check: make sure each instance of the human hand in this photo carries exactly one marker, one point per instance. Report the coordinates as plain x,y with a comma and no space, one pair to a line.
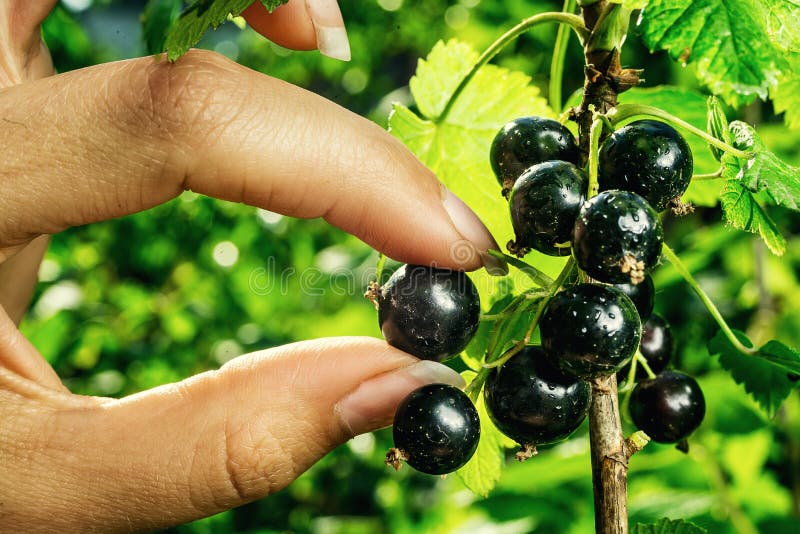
119,138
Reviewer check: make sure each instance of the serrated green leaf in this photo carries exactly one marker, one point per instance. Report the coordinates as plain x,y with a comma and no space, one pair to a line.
782,24
786,96
457,149
764,379
717,125
157,17
726,39
668,526
691,107
483,470
743,211
201,15
764,171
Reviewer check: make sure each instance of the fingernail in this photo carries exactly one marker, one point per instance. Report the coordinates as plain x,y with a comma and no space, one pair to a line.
494,266
373,403
329,25
472,229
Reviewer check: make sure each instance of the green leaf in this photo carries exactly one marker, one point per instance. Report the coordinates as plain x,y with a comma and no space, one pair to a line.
727,40
786,97
483,470
157,17
717,125
743,211
782,24
691,107
668,526
748,181
201,15
765,171
763,374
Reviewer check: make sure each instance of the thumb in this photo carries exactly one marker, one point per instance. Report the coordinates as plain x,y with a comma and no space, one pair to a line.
227,437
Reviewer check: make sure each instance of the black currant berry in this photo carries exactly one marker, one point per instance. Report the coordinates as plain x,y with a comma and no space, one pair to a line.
657,346
668,407
428,312
544,203
649,158
642,294
527,141
532,403
617,237
590,330
436,430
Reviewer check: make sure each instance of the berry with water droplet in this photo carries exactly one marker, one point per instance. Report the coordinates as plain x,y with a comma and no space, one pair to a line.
544,203
436,430
617,237
428,312
590,330
649,158
527,141
533,403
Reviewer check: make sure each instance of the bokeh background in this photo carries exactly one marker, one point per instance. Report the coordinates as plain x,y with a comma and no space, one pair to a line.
144,300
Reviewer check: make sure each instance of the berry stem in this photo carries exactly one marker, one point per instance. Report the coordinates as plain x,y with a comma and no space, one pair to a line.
625,112
379,267
573,21
537,276
594,152
557,62
708,176
639,357
709,304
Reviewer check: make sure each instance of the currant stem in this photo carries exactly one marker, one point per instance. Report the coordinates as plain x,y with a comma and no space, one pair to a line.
639,357
709,304
537,276
557,62
709,176
573,21
594,149
624,112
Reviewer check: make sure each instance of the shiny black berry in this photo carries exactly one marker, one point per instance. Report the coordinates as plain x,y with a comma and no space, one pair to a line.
642,294
531,402
617,237
428,312
649,158
436,430
527,141
668,407
657,346
590,330
544,203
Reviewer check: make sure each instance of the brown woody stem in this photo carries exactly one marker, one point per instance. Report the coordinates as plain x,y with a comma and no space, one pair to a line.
610,451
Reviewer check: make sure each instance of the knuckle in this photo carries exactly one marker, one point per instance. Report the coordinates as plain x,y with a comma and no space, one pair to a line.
176,100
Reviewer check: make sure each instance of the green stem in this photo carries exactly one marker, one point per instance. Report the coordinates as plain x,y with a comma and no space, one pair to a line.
379,267
641,360
554,287
708,176
557,62
709,304
594,149
624,112
537,276
574,21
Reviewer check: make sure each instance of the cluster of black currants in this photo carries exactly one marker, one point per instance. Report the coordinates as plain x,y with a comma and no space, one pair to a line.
593,328
589,329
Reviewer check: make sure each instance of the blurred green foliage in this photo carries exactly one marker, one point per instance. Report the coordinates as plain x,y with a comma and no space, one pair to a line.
152,298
